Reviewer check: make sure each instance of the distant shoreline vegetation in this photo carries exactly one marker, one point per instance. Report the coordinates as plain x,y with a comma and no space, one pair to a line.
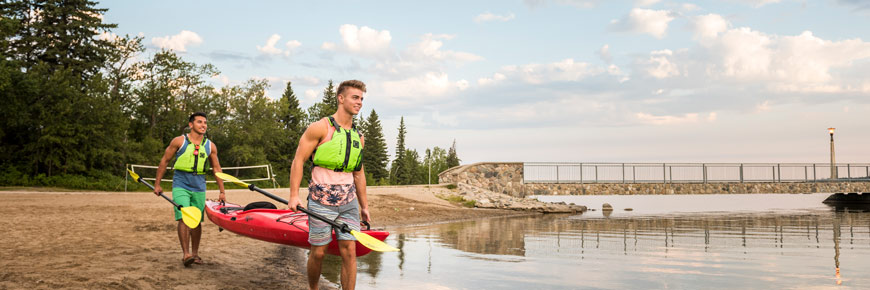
79,103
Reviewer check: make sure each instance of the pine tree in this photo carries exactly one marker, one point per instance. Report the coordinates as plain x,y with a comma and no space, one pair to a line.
399,167
291,117
452,159
51,49
326,107
375,151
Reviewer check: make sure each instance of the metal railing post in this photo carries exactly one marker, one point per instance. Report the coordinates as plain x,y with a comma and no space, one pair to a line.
704,171
741,172
778,173
814,173
557,173
634,173
848,172
664,173
581,173
623,173
806,174
596,173
671,173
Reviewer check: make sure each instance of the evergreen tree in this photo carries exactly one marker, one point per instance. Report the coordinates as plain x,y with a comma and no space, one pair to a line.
375,151
58,115
326,107
292,119
400,172
452,159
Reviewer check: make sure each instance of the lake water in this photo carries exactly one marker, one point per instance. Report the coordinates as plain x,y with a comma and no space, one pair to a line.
782,241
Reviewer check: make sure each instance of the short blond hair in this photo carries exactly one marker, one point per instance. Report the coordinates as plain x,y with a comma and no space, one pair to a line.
356,84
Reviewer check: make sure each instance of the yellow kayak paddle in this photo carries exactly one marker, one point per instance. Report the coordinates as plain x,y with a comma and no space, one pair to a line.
190,215
363,238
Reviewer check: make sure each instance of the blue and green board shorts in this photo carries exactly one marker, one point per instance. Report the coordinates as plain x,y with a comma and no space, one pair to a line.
185,198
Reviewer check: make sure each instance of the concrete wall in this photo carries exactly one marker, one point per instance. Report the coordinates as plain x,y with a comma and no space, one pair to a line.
507,178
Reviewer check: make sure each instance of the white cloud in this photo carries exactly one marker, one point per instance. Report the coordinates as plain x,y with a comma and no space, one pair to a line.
646,118
178,42
429,87
615,71
644,3
270,48
709,26
362,40
429,49
496,77
759,3
575,3
565,70
462,85
652,22
604,53
689,7
803,62
293,44
224,80
486,17
660,66
310,96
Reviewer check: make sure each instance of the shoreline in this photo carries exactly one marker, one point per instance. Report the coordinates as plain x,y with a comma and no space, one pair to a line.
82,239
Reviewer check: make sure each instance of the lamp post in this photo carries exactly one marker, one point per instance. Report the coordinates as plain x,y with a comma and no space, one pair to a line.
833,162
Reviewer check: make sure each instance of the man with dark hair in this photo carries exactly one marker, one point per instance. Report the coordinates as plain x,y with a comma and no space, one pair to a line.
337,189
193,153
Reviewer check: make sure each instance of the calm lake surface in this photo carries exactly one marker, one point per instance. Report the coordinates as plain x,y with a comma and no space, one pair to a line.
782,241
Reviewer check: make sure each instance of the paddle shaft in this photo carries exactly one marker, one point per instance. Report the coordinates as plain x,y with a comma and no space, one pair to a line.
161,194
342,227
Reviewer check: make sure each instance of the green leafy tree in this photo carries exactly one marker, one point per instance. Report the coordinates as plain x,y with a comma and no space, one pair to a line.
434,162
375,151
169,90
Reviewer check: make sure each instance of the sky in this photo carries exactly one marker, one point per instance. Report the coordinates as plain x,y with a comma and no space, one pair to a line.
554,80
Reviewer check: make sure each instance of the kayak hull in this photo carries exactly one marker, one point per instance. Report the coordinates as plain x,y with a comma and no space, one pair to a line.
276,226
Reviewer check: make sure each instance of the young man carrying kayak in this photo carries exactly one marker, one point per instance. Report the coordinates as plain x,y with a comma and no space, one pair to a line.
337,189
193,153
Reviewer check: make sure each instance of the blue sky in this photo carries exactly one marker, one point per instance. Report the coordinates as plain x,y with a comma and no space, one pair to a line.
555,80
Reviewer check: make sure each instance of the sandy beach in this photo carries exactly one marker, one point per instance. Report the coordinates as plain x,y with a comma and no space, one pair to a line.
128,240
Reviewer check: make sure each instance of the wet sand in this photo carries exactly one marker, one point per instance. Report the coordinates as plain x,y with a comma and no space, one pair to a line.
128,240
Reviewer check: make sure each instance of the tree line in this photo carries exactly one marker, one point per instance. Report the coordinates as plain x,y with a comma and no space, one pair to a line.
79,104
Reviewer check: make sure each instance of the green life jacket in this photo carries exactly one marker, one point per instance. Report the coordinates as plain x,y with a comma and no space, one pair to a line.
187,161
342,153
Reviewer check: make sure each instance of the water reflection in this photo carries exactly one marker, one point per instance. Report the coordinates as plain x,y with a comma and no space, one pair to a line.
782,250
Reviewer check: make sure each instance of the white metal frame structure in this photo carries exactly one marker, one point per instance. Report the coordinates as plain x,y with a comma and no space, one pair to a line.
270,176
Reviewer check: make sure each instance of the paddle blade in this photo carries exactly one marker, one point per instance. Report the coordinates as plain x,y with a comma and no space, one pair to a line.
230,178
133,175
191,216
372,243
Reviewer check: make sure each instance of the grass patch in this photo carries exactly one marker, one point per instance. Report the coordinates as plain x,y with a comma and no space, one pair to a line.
451,186
458,200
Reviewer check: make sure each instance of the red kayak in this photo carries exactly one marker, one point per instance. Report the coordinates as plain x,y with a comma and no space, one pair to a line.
274,225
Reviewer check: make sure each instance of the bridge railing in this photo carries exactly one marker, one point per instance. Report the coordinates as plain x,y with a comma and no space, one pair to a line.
541,172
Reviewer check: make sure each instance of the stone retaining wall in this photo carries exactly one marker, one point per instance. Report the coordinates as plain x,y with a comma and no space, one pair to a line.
507,178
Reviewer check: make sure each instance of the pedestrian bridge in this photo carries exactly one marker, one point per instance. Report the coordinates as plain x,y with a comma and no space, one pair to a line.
537,178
